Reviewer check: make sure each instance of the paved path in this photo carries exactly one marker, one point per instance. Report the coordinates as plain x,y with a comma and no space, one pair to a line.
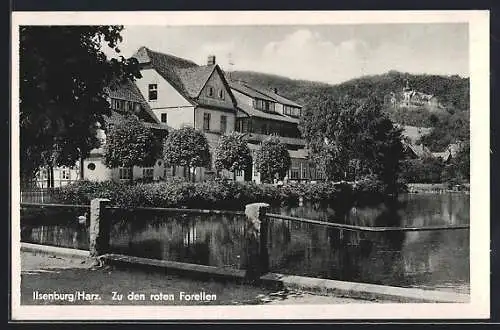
46,273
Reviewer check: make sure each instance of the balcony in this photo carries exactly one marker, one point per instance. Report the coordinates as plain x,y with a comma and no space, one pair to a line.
256,137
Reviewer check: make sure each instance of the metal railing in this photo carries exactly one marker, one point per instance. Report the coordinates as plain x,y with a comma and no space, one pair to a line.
365,228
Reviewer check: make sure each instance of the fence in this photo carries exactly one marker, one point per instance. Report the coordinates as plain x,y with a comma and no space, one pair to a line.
254,240
38,195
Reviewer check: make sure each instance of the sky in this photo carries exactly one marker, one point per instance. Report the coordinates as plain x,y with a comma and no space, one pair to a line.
325,53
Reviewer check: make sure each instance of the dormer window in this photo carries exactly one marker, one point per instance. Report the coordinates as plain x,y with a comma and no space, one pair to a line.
264,105
152,92
292,111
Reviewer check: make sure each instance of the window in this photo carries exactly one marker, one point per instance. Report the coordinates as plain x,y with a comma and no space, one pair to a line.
163,117
210,91
264,105
239,173
223,124
221,94
130,106
147,173
153,92
206,121
304,172
125,173
65,174
91,166
294,173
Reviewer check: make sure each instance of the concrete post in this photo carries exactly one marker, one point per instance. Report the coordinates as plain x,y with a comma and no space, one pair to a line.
99,228
256,228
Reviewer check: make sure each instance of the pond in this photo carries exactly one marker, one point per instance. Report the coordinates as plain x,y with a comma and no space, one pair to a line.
425,259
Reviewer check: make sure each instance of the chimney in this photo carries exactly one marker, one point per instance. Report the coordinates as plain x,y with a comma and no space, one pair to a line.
211,60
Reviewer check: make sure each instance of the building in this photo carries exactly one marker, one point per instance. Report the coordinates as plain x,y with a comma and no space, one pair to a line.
125,101
262,113
181,93
450,152
411,98
175,92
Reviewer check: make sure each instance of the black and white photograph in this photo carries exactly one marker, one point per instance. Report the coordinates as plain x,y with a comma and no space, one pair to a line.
250,165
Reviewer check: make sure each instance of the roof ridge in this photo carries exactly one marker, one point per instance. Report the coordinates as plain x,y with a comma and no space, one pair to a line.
175,57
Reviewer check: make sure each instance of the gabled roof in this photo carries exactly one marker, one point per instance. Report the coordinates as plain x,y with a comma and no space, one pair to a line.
278,98
253,91
185,76
445,155
195,78
247,90
128,91
419,150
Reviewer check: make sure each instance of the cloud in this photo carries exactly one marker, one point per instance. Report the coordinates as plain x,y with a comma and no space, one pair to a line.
305,54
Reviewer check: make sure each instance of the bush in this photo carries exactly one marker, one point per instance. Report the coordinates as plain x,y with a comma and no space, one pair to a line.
215,194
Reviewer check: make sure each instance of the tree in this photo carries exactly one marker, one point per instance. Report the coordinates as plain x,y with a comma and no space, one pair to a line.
187,147
458,170
129,143
272,159
232,153
350,138
425,170
449,128
63,79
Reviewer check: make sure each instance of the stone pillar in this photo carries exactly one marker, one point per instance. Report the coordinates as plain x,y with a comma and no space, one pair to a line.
256,228
99,227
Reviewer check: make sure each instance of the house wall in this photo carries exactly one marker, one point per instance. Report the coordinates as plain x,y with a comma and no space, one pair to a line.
177,117
279,108
167,95
214,133
180,112
215,81
62,176
100,173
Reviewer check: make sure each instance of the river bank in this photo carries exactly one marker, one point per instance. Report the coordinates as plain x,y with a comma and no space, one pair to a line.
415,188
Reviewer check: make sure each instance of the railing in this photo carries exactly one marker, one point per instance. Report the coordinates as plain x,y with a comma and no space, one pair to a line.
287,140
365,228
40,195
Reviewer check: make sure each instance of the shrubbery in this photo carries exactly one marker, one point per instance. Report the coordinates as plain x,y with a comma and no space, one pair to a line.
216,194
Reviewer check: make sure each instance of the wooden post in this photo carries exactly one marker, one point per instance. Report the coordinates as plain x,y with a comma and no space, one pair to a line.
99,228
256,228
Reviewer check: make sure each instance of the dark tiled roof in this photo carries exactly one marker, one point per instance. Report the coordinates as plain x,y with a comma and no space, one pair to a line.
261,93
185,76
194,78
278,98
245,89
129,91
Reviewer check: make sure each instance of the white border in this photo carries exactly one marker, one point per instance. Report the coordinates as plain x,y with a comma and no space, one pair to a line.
479,232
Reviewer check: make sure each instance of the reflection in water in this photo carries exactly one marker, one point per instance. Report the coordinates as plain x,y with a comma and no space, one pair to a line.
433,259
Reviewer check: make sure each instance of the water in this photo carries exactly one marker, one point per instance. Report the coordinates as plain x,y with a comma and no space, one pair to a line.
426,259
